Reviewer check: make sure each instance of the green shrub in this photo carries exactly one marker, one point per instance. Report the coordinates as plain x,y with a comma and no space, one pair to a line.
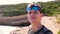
59,32
49,8
14,13
58,18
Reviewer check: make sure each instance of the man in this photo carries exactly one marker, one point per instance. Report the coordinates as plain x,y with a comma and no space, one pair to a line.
35,15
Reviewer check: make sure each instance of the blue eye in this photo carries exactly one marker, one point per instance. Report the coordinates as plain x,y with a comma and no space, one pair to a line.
30,12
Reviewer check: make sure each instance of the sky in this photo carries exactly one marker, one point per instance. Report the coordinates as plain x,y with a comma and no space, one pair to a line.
4,2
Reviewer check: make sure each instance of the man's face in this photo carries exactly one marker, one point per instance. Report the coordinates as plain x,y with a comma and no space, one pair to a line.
34,16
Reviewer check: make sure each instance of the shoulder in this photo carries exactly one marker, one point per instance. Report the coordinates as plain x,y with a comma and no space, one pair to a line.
47,31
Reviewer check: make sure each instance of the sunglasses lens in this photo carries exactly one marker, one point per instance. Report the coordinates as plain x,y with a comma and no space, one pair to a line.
33,8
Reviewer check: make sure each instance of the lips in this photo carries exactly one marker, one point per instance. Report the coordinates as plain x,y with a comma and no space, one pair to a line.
32,18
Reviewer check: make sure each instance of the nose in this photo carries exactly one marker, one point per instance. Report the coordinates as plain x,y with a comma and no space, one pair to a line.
32,15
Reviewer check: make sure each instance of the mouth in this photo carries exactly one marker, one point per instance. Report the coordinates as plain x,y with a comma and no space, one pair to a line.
32,18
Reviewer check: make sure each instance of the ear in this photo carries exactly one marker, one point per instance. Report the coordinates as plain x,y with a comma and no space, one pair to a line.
42,14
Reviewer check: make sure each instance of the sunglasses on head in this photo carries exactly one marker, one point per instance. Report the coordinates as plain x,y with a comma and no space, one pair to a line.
33,8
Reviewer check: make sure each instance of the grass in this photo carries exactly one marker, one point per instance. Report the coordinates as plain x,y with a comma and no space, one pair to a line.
59,32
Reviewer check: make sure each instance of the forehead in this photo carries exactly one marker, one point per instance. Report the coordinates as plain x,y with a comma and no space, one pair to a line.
34,11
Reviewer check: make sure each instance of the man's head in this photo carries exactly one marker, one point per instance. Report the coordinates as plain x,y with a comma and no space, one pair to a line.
34,12
34,6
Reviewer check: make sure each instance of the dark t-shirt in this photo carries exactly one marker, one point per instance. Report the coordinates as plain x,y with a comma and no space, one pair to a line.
43,30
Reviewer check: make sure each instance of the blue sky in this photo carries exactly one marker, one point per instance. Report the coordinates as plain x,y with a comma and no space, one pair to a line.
4,2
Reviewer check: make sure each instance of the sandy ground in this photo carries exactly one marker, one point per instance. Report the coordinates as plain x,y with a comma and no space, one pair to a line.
49,22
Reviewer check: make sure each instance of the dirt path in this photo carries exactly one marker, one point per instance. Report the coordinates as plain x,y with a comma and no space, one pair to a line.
13,20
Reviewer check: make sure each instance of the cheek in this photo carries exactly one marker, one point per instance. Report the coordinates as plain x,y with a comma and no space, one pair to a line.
39,16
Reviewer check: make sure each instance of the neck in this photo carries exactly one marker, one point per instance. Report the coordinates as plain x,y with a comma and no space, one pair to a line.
36,26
